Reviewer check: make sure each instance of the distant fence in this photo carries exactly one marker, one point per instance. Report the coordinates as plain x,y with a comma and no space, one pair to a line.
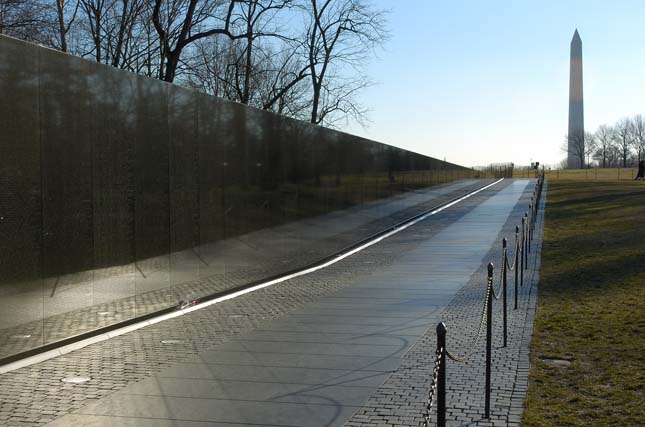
522,247
595,174
498,170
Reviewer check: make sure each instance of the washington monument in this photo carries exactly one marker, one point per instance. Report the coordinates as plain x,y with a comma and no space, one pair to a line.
576,141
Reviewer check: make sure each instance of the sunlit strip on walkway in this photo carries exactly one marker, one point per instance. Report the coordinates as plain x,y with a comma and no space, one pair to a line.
84,343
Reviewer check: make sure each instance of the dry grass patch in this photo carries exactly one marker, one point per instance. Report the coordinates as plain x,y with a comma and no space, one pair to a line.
591,308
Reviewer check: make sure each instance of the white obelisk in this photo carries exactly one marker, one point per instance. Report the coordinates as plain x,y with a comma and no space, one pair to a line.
576,104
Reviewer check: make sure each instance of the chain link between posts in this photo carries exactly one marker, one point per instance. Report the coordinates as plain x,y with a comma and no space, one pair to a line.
473,346
501,280
517,250
433,388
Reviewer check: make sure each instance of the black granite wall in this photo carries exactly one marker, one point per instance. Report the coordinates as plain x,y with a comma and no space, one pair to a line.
104,175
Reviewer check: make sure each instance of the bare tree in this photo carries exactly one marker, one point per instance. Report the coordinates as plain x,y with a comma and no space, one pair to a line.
253,18
244,50
264,69
128,35
149,58
180,23
638,135
614,156
574,145
623,138
590,146
96,11
116,29
62,12
27,20
282,90
604,138
216,66
207,66
340,34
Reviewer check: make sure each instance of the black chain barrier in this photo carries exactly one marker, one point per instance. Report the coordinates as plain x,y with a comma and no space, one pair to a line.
438,381
521,251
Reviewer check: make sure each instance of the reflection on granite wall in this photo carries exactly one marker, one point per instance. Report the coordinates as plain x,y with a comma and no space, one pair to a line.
125,183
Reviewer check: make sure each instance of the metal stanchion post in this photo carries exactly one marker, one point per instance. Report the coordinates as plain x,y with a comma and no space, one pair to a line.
529,226
526,245
536,200
489,335
522,255
517,250
441,375
504,287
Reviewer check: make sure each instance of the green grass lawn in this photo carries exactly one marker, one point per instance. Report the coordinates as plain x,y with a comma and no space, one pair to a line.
591,307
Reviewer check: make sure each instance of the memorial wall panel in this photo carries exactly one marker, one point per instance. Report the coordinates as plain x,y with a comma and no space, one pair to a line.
113,137
123,195
21,285
20,172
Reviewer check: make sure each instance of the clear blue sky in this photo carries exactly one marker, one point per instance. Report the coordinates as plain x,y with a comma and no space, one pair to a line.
487,81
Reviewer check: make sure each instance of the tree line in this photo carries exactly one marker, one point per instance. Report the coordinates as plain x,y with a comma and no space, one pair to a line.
300,58
619,145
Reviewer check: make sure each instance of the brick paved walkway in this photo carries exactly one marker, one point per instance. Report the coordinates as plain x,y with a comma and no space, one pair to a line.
401,399
322,373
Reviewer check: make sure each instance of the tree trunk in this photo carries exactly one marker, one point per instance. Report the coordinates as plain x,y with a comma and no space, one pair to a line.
60,5
246,94
246,91
314,106
97,36
116,59
171,66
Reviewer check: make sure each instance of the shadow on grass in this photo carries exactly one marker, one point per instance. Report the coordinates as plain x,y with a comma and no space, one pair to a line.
591,259
598,276
598,199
